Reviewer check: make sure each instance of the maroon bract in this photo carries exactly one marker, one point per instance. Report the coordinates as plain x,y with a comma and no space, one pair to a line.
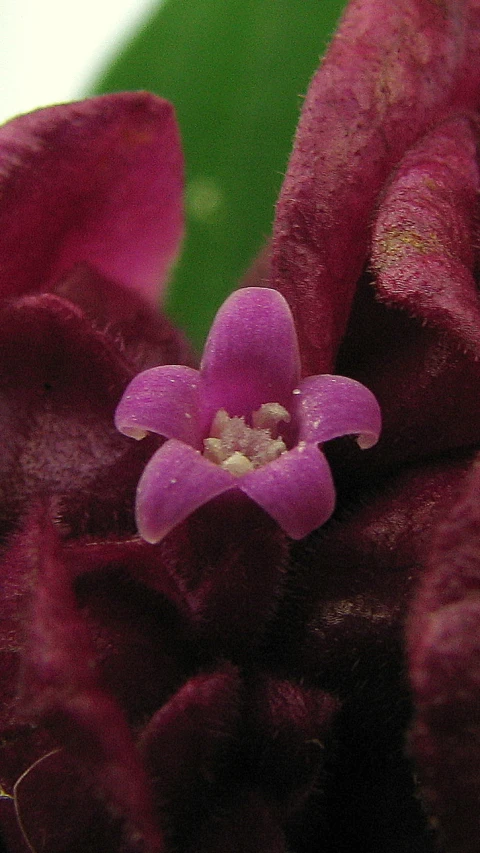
91,183
228,688
444,653
377,231
395,69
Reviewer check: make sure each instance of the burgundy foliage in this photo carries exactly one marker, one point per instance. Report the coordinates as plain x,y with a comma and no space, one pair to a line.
229,689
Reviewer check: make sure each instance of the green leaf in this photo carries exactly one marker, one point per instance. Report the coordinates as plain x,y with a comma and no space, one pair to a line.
236,71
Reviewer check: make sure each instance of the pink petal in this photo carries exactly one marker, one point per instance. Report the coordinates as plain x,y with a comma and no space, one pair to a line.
163,400
176,481
331,406
388,73
296,490
423,244
99,181
251,355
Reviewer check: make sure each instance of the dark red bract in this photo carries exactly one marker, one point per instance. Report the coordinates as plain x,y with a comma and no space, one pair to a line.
228,689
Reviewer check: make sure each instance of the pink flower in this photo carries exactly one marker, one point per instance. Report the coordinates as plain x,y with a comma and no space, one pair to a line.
244,421
228,688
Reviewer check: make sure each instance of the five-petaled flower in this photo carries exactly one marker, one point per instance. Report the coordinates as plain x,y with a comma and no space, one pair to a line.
245,420
229,688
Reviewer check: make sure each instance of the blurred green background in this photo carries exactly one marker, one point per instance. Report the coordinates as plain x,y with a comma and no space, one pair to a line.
236,71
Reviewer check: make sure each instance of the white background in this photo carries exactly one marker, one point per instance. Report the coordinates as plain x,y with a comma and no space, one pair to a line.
50,50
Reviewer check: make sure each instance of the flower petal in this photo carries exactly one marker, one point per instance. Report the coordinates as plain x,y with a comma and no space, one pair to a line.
296,490
331,406
176,481
99,182
163,400
388,73
251,355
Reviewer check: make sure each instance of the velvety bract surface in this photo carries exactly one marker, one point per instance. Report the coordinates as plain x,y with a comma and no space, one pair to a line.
88,183
228,688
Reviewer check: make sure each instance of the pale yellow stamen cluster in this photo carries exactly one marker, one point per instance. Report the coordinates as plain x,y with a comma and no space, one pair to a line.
238,447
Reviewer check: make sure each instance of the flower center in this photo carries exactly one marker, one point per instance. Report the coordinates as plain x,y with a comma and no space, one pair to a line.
238,447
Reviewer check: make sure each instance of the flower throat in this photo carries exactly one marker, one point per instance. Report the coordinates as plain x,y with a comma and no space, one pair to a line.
238,447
